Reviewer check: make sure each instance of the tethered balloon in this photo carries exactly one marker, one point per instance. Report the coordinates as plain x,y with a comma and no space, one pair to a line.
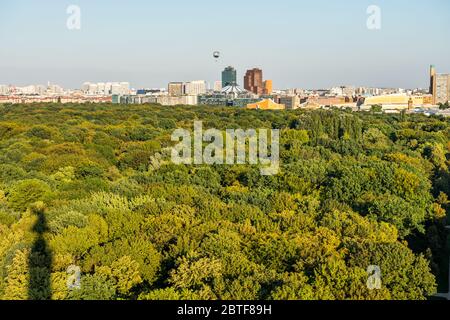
216,55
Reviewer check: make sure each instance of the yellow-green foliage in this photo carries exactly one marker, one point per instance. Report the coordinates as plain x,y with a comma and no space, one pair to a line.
93,188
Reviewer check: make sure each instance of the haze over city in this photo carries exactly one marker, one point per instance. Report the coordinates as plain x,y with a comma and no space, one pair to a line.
297,43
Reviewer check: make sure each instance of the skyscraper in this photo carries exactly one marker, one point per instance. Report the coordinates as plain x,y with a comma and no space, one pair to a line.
229,77
253,81
439,86
432,80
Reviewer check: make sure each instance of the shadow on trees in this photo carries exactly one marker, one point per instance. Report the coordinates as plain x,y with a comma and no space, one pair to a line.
40,261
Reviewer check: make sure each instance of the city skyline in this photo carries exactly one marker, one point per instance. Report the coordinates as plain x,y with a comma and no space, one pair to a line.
131,43
229,78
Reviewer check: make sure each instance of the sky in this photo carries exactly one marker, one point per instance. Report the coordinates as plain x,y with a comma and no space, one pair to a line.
297,43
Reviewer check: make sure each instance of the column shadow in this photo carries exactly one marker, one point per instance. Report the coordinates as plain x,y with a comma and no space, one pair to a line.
40,261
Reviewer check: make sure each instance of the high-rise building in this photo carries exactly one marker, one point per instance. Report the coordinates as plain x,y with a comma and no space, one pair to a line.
229,77
442,88
195,88
176,89
253,81
439,86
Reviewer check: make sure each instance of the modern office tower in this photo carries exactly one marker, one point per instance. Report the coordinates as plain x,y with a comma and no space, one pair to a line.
194,88
433,83
176,89
218,86
439,86
253,81
268,87
229,77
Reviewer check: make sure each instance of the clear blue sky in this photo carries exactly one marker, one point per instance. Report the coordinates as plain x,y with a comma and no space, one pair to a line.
297,43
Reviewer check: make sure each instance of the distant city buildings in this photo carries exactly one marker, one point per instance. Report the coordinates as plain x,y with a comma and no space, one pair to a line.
32,90
178,93
439,86
256,94
231,95
108,88
176,89
343,91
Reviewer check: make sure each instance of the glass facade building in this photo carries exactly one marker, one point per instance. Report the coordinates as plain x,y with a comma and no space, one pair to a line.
229,77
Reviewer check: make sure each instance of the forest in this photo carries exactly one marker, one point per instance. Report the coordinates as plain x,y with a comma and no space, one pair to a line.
91,187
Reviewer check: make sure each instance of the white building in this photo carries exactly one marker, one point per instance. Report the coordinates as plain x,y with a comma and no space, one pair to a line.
54,89
218,86
125,87
85,87
343,91
102,88
41,90
4,89
27,90
194,88
108,88
93,88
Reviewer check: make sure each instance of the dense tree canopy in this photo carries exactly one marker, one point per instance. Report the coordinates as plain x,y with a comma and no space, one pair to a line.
93,186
